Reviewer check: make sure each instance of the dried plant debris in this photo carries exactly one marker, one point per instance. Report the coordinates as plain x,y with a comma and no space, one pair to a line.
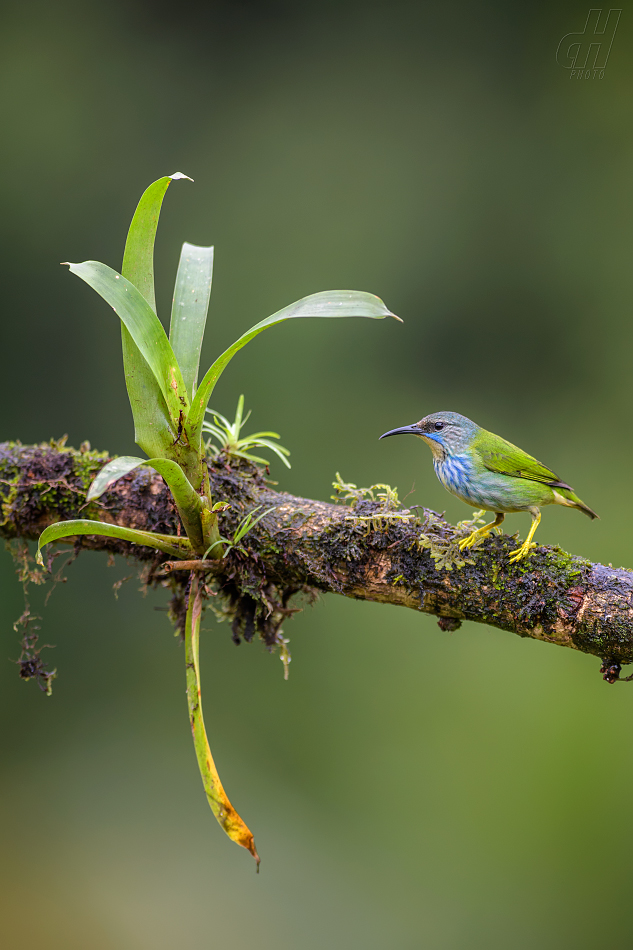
30,661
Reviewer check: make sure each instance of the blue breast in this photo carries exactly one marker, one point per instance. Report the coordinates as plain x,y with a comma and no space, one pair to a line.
455,472
481,488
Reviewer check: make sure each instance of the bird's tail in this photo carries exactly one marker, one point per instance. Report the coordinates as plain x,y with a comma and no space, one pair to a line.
573,501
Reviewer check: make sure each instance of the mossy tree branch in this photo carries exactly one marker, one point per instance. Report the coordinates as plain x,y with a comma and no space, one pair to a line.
312,546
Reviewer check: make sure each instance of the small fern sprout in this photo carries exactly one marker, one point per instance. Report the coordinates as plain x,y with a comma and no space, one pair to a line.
224,436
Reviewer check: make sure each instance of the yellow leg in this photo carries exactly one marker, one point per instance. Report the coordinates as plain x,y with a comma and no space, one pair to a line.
481,532
528,544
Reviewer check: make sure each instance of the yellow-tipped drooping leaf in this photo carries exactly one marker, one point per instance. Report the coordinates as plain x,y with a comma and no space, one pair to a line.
328,303
175,547
221,807
189,310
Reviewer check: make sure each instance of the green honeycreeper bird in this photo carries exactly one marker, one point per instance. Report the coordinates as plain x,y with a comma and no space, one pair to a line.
487,472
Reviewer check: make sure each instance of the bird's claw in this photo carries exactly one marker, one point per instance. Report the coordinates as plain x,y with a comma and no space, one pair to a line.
469,541
474,537
522,552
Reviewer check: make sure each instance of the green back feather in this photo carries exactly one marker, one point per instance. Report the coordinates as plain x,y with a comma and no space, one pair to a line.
504,458
507,459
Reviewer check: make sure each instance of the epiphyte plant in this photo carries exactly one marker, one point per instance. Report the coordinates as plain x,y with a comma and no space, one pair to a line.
168,407
227,435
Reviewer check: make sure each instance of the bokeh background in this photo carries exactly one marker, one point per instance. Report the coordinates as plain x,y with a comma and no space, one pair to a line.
408,788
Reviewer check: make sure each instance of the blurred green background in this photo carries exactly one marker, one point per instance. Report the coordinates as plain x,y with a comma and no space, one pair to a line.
407,788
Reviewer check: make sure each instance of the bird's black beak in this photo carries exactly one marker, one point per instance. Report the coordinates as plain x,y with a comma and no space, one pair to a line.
403,430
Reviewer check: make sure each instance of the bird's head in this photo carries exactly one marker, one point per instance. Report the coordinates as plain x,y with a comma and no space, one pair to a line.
446,433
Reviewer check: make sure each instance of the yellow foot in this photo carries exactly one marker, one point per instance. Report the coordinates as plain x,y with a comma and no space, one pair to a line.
522,552
474,537
469,541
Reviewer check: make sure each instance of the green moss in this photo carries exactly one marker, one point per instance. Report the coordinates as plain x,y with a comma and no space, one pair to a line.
258,583
8,494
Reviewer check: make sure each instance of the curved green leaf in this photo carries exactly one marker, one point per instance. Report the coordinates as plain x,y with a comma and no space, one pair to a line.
111,473
279,450
189,310
176,547
188,501
152,423
328,303
144,327
138,257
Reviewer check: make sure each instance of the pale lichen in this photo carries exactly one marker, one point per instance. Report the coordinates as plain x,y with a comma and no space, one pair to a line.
442,541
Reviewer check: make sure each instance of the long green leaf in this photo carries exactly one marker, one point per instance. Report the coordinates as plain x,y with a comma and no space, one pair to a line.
138,257
144,327
176,547
189,310
328,303
188,501
152,424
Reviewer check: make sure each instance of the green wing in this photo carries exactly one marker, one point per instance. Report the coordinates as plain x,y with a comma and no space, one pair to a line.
507,459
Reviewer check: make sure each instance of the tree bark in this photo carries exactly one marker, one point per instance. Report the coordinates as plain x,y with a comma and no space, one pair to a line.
363,551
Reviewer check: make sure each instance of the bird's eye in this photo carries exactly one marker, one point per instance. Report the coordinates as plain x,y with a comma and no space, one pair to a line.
439,425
